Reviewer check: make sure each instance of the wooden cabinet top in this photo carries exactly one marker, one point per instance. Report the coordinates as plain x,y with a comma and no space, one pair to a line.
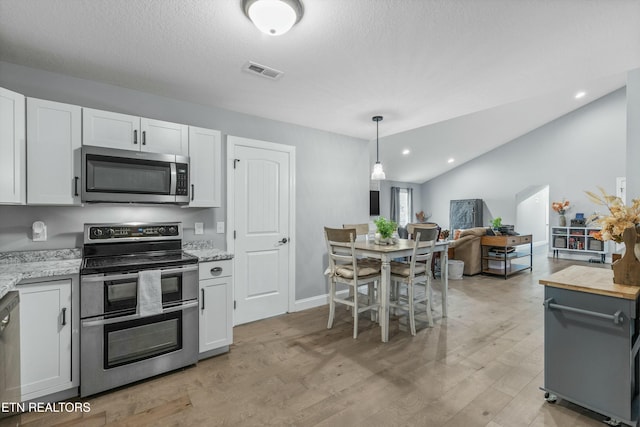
505,240
592,280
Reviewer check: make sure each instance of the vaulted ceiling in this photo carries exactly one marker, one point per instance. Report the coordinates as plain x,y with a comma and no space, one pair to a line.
452,78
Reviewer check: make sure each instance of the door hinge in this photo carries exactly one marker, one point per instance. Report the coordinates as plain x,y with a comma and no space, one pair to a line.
234,234
234,304
235,162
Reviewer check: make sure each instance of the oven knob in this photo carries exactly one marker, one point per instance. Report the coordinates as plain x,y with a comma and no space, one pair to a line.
161,230
97,232
172,230
111,232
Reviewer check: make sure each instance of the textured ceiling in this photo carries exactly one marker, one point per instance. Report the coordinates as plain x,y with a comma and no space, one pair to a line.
446,63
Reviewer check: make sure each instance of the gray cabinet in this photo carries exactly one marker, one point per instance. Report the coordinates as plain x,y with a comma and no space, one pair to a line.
465,214
589,354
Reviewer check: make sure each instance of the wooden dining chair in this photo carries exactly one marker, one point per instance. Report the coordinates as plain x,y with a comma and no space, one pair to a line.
415,274
346,268
363,230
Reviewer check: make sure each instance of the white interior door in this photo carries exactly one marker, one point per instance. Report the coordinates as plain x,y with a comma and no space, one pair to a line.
261,220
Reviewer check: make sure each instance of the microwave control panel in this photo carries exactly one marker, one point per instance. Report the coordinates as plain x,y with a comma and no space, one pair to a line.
182,179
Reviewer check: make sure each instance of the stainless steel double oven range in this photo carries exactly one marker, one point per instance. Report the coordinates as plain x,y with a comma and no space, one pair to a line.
117,345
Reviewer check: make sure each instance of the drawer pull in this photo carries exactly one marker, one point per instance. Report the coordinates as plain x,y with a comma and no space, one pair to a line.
616,317
216,270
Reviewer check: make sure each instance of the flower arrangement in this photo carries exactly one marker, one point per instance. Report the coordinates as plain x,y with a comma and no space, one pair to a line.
422,217
620,215
385,227
561,207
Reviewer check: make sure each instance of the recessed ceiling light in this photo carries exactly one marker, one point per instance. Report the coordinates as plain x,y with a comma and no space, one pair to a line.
451,160
580,94
406,151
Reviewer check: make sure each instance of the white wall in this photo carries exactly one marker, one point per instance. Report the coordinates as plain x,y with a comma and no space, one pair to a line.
332,179
577,152
633,135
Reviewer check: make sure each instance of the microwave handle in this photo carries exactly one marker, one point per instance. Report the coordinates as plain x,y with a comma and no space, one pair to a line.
174,178
75,182
193,192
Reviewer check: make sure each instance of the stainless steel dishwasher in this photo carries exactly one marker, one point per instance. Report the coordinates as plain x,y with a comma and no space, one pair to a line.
10,350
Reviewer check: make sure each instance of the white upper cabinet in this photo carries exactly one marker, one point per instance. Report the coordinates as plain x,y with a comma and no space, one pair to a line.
115,130
12,148
53,153
164,137
205,154
107,129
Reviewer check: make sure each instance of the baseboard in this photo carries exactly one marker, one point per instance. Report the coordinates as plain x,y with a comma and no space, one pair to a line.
317,301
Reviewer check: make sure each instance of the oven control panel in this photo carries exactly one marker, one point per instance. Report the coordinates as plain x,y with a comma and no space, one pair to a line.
132,231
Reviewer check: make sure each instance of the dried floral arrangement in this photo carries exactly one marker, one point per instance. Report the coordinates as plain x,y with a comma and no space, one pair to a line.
620,215
561,207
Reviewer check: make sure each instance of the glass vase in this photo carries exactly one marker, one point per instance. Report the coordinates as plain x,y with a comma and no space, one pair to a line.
563,220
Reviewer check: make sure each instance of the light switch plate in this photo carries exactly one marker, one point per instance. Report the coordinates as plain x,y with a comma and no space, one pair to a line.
199,228
220,227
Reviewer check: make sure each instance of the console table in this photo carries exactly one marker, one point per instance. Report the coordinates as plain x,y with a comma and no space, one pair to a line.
506,255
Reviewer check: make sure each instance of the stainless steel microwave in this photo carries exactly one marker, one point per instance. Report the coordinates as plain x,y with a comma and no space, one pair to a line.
110,175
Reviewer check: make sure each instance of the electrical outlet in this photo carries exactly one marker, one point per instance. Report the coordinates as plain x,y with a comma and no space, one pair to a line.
220,227
199,228
39,231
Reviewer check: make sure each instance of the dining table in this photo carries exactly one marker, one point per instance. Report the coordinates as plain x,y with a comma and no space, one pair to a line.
400,249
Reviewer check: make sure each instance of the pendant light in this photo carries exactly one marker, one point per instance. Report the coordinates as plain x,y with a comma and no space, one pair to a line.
378,173
273,17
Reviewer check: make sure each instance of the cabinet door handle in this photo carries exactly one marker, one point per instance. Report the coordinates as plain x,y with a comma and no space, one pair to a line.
216,270
144,137
616,317
202,298
75,179
193,191
64,316
135,136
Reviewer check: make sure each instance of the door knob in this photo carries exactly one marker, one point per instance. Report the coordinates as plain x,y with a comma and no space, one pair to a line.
284,240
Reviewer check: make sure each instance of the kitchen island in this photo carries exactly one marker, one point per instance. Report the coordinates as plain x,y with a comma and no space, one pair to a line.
591,342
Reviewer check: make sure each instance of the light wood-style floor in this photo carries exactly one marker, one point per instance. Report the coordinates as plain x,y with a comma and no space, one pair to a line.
482,366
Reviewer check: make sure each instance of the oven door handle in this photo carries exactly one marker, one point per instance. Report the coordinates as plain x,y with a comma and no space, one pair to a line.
183,306
103,278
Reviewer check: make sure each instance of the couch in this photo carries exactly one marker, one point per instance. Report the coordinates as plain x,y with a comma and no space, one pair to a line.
467,248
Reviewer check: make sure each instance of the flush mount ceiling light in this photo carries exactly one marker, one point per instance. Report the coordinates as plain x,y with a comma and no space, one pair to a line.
378,173
273,17
406,152
580,94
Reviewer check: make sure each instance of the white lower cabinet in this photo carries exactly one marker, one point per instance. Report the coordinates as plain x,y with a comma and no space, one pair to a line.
216,306
46,338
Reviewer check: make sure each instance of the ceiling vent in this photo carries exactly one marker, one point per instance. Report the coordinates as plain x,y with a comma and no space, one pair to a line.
261,70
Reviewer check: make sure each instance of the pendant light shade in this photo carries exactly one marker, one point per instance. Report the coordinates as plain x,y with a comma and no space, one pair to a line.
378,172
273,17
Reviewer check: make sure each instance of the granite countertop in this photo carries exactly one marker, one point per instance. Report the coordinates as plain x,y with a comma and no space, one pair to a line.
205,251
17,266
